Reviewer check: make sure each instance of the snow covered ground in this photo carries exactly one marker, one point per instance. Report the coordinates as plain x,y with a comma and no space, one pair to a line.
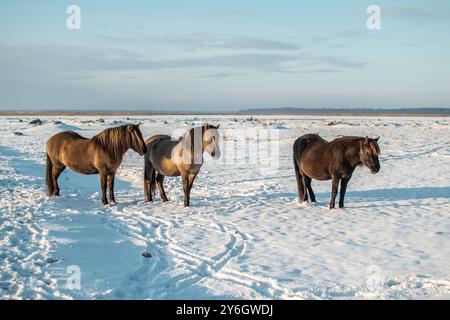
245,235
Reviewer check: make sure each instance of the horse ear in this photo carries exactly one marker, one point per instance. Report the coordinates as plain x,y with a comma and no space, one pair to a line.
218,126
130,127
377,139
139,124
366,140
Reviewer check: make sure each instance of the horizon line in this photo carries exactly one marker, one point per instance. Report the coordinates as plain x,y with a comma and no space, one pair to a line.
424,111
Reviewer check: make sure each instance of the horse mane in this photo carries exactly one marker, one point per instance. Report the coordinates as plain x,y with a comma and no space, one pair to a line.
353,138
114,141
190,133
189,137
377,147
350,138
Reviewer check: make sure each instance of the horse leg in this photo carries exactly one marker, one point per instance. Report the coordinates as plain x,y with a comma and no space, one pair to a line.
191,179
308,181
304,188
302,196
110,179
103,187
149,181
56,172
334,191
344,183
185,182
160,182
48,175
149,186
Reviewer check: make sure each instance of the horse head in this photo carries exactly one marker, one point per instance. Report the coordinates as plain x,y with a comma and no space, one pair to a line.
137,141
211,140
369,152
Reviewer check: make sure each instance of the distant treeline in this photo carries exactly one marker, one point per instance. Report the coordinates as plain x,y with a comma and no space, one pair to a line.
343,111
253,111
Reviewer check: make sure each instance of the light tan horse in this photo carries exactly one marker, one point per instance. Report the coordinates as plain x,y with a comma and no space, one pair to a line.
101,154
182,157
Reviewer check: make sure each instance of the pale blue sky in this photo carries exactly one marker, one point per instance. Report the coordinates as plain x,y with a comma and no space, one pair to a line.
223,55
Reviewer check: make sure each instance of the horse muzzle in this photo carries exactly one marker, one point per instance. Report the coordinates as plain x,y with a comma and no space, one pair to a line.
375,170
143,151
215,154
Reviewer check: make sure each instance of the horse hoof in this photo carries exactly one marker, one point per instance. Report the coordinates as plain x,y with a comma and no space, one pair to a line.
304,204
313,204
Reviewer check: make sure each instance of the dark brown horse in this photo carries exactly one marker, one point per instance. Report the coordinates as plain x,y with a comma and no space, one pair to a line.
316,158
101,155
182,157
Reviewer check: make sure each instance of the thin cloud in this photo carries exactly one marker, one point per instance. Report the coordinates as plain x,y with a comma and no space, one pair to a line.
62,58
197,41
248,61
311,71
340,62
339,39
220,75
72,58
318,40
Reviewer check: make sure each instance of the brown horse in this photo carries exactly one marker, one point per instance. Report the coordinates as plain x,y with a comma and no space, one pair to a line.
319,159
101,155
182,157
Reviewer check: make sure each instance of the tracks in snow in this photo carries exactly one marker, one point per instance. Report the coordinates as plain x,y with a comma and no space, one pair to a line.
174,269
24,243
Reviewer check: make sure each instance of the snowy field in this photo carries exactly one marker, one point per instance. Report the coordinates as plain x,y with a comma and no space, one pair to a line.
245,235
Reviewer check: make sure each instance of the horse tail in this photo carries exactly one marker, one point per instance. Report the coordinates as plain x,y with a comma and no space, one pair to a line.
299,146
48,176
